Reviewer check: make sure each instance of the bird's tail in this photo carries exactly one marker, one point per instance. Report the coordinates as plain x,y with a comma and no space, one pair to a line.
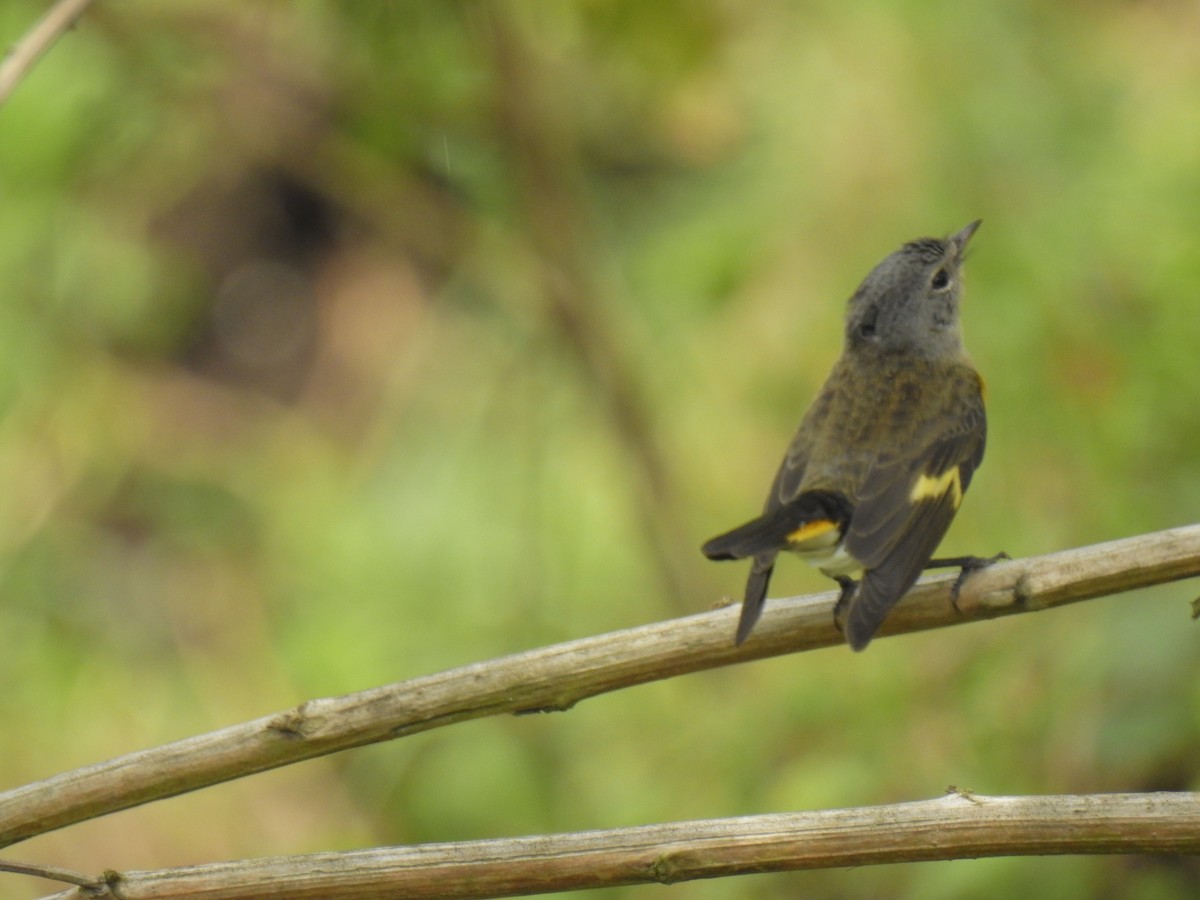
814,519
756,595
785,527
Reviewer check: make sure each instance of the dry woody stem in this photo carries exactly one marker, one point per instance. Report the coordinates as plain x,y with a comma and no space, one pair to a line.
29,49
558,676
957,826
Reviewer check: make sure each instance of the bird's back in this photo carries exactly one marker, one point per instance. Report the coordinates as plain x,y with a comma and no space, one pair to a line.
865,413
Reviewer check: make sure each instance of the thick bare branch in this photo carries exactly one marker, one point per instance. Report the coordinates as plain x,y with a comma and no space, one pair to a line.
556,677
957,826
20,59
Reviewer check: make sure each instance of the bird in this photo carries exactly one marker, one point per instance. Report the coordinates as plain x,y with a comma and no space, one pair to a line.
881,460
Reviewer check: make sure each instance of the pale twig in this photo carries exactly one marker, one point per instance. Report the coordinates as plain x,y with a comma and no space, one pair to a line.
556,677
960,825
20,59
50,873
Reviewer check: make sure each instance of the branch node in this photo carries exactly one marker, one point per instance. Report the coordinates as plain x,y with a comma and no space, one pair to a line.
964,794
671,868
292,725
109,885
1023,592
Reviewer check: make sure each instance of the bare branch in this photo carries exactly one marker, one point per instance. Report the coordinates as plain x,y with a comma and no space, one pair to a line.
557,677
28,50
958,826
50,873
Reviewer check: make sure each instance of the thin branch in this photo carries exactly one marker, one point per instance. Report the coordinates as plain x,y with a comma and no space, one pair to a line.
29,49
958,826
543,159
50,873
557,677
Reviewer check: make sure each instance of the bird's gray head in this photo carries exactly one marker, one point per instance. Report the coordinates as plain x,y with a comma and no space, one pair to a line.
909,302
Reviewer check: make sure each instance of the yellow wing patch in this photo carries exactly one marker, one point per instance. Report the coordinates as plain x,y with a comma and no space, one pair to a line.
810,530
982,386
934,487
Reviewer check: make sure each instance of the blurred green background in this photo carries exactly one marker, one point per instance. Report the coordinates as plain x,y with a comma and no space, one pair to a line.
342,343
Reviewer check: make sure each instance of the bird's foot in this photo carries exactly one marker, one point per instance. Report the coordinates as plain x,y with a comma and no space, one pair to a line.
847,586
966,565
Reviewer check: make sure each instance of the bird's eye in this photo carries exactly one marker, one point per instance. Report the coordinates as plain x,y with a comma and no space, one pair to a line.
941,280
866,326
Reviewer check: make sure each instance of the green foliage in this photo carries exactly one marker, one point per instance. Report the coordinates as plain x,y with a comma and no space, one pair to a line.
342,343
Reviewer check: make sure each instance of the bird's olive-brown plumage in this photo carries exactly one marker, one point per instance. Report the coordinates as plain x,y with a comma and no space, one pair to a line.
882,458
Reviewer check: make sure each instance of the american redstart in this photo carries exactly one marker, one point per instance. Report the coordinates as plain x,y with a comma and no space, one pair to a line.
882,458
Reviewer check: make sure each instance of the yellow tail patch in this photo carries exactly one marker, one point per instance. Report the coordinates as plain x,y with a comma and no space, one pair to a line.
934,487
810,530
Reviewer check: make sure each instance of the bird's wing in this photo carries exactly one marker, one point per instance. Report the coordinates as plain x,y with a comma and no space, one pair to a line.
786,486
906,505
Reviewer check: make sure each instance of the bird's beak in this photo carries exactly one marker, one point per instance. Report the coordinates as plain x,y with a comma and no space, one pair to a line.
960,239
